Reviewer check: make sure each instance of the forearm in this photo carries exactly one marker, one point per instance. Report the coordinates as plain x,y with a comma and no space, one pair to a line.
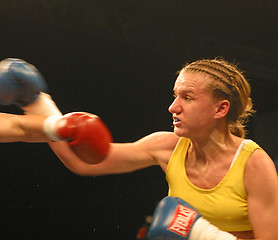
69,159
44,106
30,129
79,167
19,128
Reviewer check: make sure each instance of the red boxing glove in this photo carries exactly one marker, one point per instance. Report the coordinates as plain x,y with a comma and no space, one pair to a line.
86,134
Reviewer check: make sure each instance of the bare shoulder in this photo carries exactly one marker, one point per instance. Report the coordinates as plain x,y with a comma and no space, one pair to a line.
160,146
261,184
164,139
260,161
260,170
159,141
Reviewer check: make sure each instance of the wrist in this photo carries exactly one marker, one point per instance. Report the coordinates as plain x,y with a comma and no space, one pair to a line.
203,230
50,128
44,105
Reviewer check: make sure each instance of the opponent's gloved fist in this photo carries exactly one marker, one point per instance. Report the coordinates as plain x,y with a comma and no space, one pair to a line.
86,134
20,82
175,219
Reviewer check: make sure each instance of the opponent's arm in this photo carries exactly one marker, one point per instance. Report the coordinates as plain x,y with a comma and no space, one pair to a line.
261,183
22,84
18,128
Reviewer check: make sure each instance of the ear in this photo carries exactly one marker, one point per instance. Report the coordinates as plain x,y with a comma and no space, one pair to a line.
222,109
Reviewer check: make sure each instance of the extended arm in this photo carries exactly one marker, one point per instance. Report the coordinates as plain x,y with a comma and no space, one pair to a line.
23,81
154,149
18,128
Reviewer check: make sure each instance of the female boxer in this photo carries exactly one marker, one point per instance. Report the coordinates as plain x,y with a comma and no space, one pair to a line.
208,162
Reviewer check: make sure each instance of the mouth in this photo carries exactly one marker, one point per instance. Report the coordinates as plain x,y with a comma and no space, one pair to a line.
176,120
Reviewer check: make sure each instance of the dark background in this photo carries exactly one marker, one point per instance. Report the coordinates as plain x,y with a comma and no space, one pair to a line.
118,59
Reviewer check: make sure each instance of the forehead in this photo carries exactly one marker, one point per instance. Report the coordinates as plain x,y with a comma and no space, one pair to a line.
192,81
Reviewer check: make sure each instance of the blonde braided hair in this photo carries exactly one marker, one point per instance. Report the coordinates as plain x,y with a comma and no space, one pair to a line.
230,84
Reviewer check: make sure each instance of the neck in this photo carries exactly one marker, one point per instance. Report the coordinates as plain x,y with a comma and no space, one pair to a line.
216,144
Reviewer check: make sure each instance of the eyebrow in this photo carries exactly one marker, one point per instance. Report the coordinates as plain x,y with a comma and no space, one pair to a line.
183,91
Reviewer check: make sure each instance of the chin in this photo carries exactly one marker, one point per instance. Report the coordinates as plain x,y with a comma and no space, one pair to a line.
180,132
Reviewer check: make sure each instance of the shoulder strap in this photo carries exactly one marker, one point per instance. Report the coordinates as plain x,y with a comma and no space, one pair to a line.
253,147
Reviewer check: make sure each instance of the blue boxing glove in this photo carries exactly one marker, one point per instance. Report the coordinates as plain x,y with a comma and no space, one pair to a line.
20,82
175,219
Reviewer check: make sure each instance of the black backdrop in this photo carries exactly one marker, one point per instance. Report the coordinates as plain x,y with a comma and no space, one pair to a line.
118,59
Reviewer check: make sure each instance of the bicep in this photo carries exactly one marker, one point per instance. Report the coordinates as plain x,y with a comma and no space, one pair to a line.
262,188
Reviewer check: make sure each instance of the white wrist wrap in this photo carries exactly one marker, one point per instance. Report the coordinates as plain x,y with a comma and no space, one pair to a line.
203,230
50,127
44,105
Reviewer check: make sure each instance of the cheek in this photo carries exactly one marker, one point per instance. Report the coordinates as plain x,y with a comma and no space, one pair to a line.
203,112
208,113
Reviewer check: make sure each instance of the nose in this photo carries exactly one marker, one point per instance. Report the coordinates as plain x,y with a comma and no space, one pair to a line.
175,107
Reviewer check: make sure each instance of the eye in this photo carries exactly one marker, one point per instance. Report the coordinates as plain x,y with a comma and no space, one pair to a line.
188,98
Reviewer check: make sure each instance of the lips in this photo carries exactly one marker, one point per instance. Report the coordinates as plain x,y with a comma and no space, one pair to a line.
176,121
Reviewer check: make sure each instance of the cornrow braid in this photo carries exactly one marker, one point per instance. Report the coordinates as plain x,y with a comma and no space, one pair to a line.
229,83
226,86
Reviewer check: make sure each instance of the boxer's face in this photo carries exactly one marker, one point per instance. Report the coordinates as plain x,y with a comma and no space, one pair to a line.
194,108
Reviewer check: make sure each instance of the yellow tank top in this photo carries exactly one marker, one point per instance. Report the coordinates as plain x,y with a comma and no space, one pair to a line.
225,205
